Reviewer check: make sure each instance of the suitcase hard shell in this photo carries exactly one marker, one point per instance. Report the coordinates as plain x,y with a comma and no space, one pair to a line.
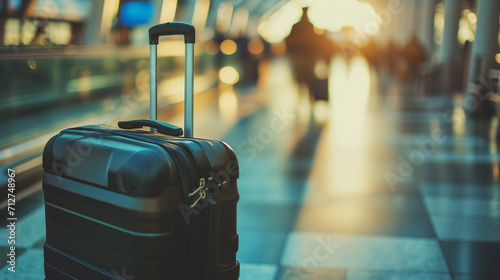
136,204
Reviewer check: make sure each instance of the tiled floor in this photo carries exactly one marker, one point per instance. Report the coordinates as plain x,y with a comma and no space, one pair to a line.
391,189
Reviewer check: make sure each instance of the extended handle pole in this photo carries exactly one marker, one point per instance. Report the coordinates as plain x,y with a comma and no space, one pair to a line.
152,83
189,91
173,28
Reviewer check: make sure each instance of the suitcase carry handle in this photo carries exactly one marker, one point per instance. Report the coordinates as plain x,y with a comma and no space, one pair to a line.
162,127
173,28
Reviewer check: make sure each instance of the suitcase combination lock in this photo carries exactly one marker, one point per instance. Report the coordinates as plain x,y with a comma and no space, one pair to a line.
203,189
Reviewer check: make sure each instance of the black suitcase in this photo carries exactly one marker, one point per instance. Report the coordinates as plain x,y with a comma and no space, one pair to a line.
136,204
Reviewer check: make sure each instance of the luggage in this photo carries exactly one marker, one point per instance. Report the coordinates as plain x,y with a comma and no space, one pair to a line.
137,204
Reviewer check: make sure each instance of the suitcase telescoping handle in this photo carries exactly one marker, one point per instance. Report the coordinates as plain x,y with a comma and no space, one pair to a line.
173,28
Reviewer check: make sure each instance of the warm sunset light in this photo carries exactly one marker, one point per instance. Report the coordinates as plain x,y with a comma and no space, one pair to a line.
276,26
331,15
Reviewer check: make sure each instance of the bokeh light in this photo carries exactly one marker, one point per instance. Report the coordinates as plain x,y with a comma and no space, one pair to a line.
467,27
278,49
228,47
255,46
211,47
229,75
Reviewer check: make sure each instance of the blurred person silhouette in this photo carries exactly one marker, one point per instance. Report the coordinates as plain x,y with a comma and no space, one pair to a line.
415,56
246,60
40,38
218,38
392,51
305,48
463,65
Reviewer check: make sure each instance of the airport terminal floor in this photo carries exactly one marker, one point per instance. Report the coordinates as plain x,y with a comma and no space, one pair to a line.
381,183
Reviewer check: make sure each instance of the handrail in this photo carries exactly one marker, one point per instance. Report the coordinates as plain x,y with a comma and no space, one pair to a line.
167,49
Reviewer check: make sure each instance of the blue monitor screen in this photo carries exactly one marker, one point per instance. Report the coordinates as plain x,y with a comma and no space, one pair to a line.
135,13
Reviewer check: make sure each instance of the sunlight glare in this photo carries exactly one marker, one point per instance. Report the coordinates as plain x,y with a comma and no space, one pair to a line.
275,27
350,86
350,90
333,15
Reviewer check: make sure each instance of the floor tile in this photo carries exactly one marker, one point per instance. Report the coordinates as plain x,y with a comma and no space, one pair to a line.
25,206
311,273
348,217
377,202
364,252
252,271
486,207
266,168
377,275
468,190
325,183
466,228
30,229
29,266
476,277
284,192
40,244
3,255
454,157
261,246
473,257
299,169
457,172
266,216
409,139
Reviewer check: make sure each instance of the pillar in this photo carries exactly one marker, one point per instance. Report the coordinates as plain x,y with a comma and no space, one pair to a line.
3,20
409,20
450,50
427,24
401,24
188,11
98,26
485,48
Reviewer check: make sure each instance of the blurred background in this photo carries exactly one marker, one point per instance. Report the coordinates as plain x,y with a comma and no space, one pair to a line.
369,125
